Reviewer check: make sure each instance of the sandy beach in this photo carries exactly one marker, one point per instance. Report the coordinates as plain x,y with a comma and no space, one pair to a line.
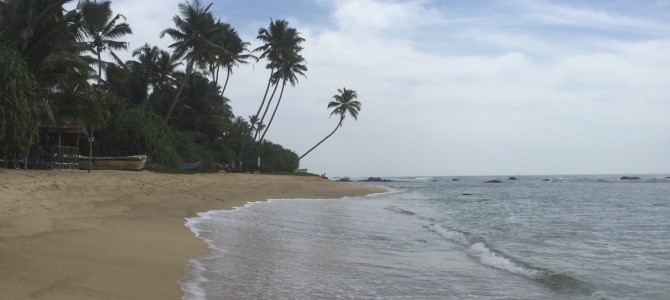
117,234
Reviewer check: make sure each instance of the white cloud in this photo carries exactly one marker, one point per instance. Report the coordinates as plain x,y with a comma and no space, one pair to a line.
356,16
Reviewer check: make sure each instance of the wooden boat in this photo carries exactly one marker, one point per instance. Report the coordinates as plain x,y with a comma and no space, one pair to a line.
191,166
130,163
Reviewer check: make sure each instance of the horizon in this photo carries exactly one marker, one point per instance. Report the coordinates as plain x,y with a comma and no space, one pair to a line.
518,176
554,87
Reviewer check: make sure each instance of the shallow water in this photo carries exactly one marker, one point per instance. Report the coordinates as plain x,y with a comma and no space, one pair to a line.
590,237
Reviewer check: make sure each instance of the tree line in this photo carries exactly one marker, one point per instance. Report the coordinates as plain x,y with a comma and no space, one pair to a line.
167,103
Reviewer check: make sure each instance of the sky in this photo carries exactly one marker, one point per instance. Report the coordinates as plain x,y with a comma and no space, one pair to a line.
456,88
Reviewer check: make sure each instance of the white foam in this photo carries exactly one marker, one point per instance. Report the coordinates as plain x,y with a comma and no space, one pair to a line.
191,284
491,259
485,255
451,235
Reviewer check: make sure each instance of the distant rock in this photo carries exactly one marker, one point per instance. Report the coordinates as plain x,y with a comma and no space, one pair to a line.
493,181
630,178
376,179
345,179
511,178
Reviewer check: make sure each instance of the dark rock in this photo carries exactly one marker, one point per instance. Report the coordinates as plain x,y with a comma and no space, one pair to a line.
493,181
345,179
376,179
511,178
630,178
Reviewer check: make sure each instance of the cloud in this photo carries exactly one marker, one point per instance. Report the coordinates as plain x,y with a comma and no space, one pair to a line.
369,15
554,14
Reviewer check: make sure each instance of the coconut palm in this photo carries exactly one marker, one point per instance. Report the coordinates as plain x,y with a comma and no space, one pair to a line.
280,42
194,35
234,53
158,66
102,30
344,104
287,71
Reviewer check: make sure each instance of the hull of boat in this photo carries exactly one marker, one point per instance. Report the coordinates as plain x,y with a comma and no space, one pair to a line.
130,163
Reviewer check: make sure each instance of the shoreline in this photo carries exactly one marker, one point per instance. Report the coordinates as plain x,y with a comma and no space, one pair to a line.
121,234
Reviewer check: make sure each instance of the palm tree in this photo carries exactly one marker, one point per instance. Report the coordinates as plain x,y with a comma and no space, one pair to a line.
344,103
165,67
158,67
290,67
194,36
280,42
102,30
234,53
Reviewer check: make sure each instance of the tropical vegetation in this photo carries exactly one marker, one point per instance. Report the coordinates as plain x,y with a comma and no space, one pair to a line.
167,103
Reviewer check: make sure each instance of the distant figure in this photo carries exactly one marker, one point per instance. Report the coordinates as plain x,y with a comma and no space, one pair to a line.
239,166
324,176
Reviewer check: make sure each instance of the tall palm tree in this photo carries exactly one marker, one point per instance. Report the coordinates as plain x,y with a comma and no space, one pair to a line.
344,103
280,42
290,67
234,52
102,29
194,36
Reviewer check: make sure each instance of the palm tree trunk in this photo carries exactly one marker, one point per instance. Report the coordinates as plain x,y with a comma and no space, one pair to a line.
324,139
260,145
267,107
99,69
242,152
223,90
189,68
266,93
274,112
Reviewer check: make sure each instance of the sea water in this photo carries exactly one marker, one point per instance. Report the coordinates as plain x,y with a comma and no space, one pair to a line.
548,237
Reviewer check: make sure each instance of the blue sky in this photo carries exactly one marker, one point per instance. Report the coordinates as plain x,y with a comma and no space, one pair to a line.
461,87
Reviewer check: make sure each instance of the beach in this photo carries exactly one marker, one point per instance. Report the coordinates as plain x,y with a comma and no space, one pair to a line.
120,234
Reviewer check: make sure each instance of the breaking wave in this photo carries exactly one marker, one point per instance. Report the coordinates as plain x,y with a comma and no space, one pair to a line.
494,259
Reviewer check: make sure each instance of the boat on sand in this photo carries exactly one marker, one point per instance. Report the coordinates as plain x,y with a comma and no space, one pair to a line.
130,163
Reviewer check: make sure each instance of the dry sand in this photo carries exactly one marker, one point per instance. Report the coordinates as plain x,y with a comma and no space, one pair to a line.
118,234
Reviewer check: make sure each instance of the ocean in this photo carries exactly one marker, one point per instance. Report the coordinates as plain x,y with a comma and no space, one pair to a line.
538,237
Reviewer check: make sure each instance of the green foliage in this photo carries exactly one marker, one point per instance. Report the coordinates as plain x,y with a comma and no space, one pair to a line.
190,151
136,131
274,158
46,79
19,108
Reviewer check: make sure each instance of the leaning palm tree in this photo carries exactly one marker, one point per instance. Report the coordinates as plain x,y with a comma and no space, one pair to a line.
344,103
102,29
194,35
290,67
280,42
